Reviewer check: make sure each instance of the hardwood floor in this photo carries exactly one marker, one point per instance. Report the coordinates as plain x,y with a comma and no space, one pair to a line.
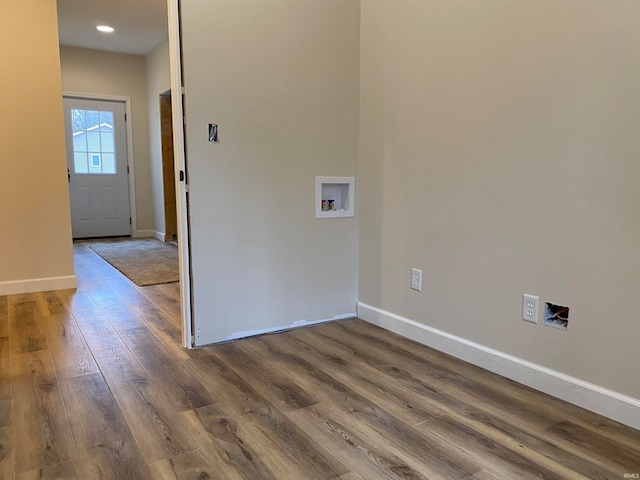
94,385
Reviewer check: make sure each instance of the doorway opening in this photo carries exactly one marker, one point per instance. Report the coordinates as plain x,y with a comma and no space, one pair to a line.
168,169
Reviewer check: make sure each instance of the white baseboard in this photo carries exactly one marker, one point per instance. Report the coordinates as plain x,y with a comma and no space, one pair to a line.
149,234
38,285
608,403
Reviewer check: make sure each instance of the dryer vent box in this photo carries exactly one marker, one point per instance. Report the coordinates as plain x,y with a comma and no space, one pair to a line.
556,316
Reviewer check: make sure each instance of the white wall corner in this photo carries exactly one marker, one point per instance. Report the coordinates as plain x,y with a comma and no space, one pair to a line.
38,285
608,403
149,234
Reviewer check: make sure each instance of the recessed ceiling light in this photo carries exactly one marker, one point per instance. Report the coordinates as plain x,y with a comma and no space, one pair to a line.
104,28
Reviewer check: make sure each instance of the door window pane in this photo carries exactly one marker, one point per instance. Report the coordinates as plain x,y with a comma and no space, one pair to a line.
106,121
106,142
93,141
77,120
80,162
95,163
92,119
79,141
108,163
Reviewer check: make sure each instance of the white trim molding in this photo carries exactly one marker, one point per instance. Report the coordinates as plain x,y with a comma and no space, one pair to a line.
177,92
608,403
38,285
149,234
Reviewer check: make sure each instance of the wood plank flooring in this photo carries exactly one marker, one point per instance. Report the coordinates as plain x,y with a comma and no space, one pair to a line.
94,385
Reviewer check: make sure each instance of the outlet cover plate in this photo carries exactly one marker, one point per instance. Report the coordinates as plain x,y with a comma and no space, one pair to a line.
530,308
416,279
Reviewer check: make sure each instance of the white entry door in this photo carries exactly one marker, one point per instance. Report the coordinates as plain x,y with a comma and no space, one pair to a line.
97,163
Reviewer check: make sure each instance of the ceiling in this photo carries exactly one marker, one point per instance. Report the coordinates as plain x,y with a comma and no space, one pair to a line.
140,25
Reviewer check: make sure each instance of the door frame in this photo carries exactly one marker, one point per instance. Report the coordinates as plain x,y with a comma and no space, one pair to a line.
129,144
182,188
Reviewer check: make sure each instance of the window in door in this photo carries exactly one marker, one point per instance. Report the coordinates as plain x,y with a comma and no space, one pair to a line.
93,143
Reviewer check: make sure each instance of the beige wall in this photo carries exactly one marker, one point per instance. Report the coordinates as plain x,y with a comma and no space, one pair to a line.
107,73
158,81
281,80
499,153
35,231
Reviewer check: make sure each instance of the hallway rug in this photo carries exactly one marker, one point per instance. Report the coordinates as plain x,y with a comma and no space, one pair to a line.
144,261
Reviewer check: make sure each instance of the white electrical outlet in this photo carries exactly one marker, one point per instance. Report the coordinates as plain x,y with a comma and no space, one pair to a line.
416,279
530,308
